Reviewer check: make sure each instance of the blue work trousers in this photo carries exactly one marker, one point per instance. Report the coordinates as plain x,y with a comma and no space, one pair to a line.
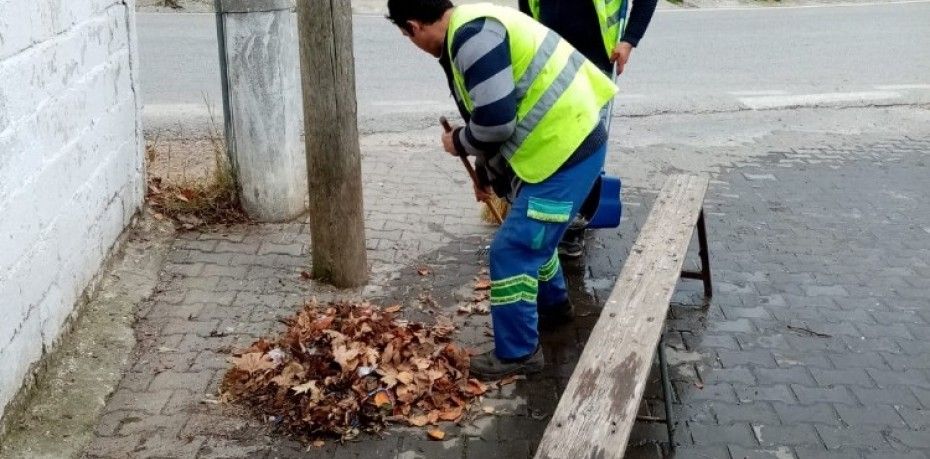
525,269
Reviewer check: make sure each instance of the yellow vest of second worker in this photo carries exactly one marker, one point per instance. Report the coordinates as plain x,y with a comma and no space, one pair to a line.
611,15
559,93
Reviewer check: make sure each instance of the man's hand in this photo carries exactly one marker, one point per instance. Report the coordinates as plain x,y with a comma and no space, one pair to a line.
447,143
621,55
483,194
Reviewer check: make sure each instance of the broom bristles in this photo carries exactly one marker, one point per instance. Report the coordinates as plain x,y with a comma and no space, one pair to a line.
500,204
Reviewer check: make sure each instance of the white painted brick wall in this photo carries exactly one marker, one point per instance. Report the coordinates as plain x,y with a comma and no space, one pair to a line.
71,163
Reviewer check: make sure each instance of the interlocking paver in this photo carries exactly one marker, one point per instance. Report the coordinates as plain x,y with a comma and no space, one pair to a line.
910,438
739,434
777,393
884,415
894,395
791,375
896,455
738,375
775,435
781,452
809,395
806,238
758,412
851,376
917,418
839,437
821,413
822,453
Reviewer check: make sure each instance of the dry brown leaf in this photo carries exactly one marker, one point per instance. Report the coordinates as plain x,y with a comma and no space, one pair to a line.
392,309
288,376
423,271
421,363
311,387
475,387
419,420
382,399
405,377
451,414
507,380
345,357
436,434
435,373
252,362
322,323
406,393
483,284
306,275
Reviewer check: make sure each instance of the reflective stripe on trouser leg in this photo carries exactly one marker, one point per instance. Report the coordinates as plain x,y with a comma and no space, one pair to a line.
552,290
522,252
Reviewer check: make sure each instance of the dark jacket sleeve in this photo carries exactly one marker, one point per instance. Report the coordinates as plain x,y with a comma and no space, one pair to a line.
638,21
524,6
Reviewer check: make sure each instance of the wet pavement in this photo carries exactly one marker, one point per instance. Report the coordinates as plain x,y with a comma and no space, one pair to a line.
816,343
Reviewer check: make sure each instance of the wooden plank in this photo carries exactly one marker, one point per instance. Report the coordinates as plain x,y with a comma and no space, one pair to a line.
599,406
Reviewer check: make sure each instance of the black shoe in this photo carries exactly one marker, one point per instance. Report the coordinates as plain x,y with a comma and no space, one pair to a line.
572,243
557,315
487,366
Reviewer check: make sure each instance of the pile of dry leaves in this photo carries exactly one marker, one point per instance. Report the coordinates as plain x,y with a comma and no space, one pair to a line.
194,205
341,368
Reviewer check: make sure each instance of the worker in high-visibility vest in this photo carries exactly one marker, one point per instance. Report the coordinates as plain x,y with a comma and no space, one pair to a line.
600,29
604,32
532,107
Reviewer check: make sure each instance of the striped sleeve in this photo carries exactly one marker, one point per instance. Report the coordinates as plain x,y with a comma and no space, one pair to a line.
481,52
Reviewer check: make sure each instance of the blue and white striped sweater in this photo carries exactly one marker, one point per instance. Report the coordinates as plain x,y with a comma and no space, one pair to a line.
480,49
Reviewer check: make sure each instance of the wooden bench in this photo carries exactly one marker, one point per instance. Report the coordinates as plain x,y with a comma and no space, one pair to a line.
599,406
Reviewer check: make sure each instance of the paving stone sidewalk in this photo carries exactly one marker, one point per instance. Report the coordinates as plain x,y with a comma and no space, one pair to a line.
816,343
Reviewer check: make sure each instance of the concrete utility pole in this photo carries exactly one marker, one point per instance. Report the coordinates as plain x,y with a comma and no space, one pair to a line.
261,100
337,226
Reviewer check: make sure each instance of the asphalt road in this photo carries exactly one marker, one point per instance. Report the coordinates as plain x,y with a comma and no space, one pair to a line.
691,61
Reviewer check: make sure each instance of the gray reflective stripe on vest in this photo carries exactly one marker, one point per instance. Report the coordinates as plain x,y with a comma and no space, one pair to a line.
541,107
545,51
618,15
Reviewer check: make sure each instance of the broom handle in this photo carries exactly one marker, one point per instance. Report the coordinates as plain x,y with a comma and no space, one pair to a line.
473,175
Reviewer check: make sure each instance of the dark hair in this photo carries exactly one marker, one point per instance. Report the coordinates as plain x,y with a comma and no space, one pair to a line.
425,11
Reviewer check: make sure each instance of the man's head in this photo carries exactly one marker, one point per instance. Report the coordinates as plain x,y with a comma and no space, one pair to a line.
423,21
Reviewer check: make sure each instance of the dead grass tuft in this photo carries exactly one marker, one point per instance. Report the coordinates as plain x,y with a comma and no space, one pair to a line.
194,202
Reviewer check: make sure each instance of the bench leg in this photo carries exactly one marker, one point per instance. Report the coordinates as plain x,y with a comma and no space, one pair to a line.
704,252
705,256
667,392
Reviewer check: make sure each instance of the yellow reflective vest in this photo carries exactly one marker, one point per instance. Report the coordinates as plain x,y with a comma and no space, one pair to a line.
611,15
559,92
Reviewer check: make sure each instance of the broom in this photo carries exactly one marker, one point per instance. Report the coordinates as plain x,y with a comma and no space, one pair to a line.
493,207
